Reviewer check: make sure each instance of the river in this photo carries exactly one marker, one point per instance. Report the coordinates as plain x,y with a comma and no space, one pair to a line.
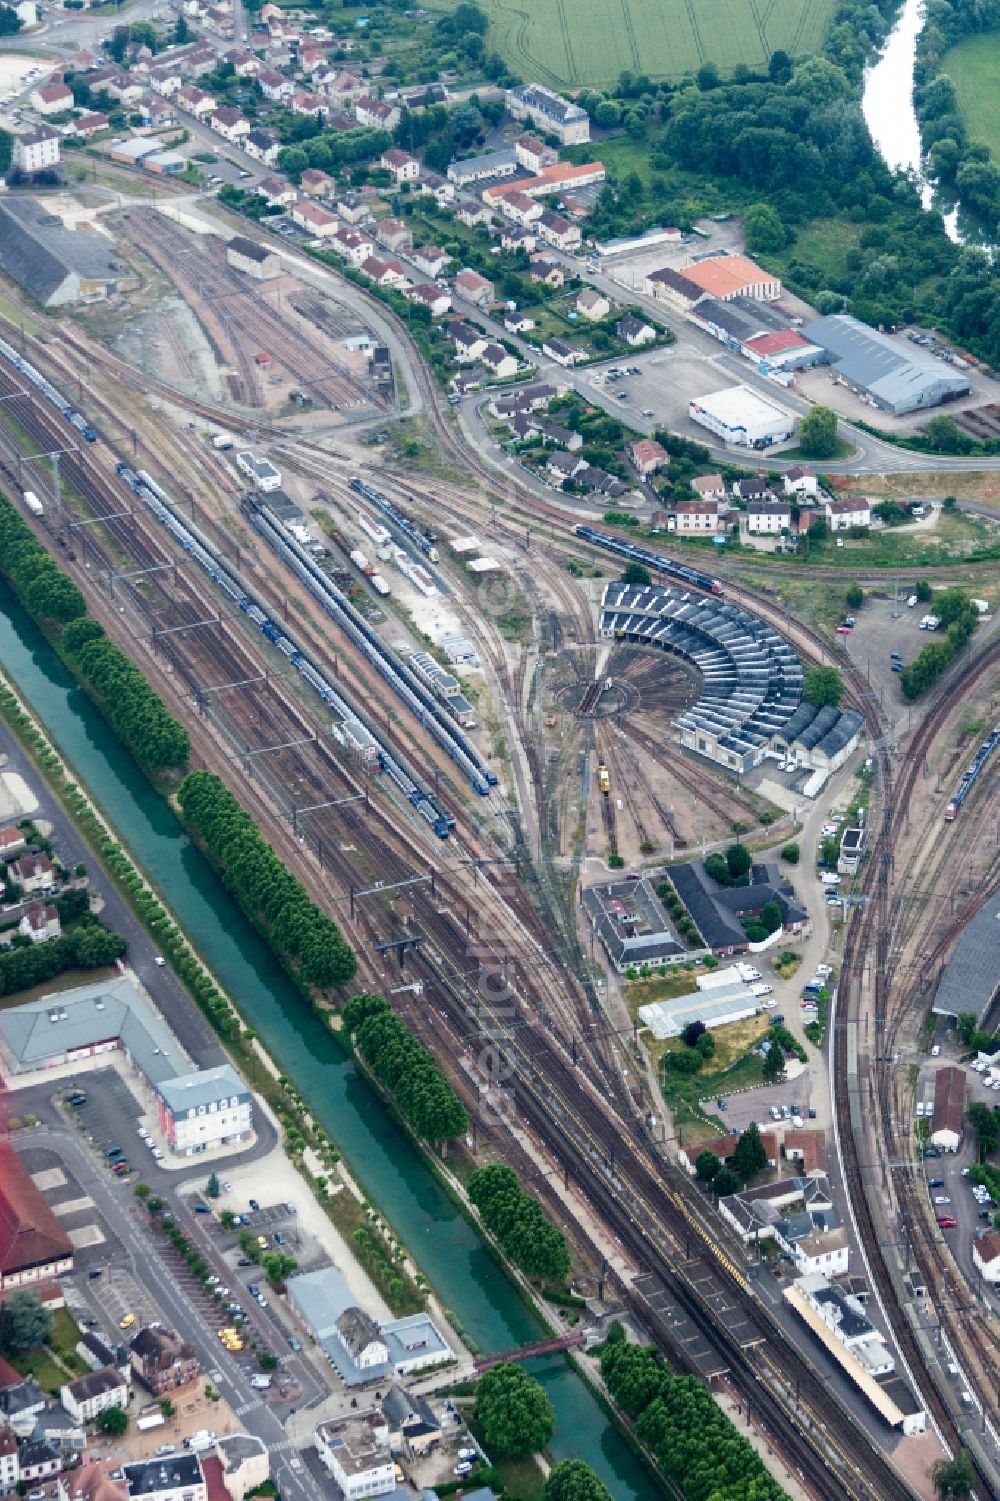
444,1244
887,105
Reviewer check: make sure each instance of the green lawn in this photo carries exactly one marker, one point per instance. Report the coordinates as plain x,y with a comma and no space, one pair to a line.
823,243
566,43
974,68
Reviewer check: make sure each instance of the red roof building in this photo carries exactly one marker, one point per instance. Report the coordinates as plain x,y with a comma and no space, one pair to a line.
33,1244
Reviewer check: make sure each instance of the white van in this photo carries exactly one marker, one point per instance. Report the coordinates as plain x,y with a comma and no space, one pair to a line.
830,878
911,601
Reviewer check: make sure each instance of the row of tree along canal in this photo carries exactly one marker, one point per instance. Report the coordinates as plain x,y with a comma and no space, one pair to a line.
447,1248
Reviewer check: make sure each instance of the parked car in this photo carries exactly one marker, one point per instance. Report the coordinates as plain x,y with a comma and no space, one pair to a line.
935,1183
947,1222
941,1199
202,1209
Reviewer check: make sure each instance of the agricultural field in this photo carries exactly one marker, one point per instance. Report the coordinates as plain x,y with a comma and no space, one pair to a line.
974,68
569,43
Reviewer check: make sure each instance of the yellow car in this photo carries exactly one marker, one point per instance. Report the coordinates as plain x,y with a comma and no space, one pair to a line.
127,1321
262,1242
234,1346
228,1333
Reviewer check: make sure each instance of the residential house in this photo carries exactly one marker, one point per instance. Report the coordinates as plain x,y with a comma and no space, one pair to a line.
694,518
601,482
799,481
37,1460
312,57
304,103
274,85
162,1361
563,466
469,341
355,1452
520,208
33,872
515,237
768,518
592,305
94,1393
52,99
262,146
152,1480
12,841
337,120
200,1111
345,88
440,189
352,245
430,259
561,178
401,166
352,207
375,113
39,923
754,488
414,1427
533,154
318,221
246,64
555,229
22,1401
487,168
245,1465
90,124
383,273
564,354
500,362
986,1256
709,487
161,113
545,268
647,456
527,398
195,100
36,150
475,288
317,184
10,1470
842,514
431,296
277,192
635,332
231,124
394,233
472,212
670,286
61,1432
518,323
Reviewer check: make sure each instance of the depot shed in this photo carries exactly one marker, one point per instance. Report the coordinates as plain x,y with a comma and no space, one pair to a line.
253,259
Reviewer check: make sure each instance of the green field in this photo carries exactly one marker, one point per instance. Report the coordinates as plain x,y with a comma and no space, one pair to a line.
568,43
974,68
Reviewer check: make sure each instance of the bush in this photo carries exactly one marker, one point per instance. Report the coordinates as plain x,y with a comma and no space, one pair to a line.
790,854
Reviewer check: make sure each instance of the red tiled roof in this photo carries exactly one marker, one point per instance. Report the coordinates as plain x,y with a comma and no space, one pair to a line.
212,1467
30,1234
776,342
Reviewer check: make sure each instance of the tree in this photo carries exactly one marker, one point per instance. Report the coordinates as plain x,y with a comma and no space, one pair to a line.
923,591
823,686
213,1187
705,1046
818,433
24,1323
167,1408
954,1477
790,854
692,1032
763,230
706,1166
573,1480
985,1121
514,1412
268,1361
749,1157
966,1025
717,868
726,1182
773,1070
113,1421
855,596
141,1191
278,1265
738,861
182,31
635,573
770,916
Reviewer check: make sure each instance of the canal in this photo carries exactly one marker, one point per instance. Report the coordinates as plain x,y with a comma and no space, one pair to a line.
443,1243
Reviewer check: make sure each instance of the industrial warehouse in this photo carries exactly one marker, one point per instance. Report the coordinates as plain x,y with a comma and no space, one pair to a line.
883,369
741,417
53,264
751,695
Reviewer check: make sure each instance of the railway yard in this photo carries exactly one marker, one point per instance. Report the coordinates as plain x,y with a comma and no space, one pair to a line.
451,841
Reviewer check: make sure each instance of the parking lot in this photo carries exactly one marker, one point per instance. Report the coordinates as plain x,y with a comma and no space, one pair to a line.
667,380
755,1105
881,627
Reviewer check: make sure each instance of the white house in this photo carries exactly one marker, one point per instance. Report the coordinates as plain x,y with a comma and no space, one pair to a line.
499,361
89,1395
768,517
799,481
356,1453
841,514
51,99
401,166
986,1256
318,221
183,1479
40,922
36,150
209,1108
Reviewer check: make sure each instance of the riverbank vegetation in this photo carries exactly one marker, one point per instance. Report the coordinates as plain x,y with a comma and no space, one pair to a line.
692,1440
307,942
959,618
135,712
406,1069
526,1235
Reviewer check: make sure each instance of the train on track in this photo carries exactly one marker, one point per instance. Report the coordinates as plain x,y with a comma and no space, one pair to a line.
401,679
649,559
58,400
422,540
968,781
604,778
207,556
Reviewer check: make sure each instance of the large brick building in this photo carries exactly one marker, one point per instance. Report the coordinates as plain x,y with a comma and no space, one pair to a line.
33,1244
